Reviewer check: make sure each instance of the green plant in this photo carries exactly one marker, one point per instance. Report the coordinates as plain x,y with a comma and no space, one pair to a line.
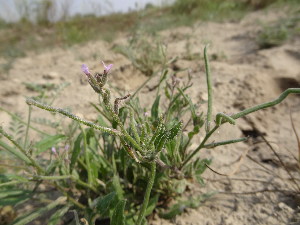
146,55
279,32
210,10
126,164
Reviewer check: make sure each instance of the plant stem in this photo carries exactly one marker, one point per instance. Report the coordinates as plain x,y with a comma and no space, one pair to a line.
147,193
73,117
82,183
200,146
79,205
209,91
27,127
281,97
240,114
32,161
215,144
118,121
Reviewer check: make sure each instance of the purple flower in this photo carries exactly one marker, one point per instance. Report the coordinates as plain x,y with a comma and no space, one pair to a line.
53,150
147,114
67,147
85,69
107,68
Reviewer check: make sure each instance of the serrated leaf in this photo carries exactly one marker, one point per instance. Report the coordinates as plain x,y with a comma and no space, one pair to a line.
174,130
160,140
48,142
76,151
118,217
102,204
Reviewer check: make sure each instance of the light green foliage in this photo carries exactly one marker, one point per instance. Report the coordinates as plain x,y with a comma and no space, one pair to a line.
125,162
146,54
279,32
210,10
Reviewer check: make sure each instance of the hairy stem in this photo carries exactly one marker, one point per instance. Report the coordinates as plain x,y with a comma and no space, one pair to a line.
147,193
73,117
215,144
267,104
240,114
32,161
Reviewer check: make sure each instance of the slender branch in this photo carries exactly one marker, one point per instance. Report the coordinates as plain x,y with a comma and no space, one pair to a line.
200,146
82,183
147,193
71,199
267,104
34,178
27,127
297,137
213,145
32,161
73,117
209,91
106,95
225,118
240,114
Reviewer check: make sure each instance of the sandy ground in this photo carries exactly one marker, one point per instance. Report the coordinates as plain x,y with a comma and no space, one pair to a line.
243,76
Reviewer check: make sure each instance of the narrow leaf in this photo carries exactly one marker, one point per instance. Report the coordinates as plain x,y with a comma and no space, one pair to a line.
25,219
14,151
48,142
76,151
55,218
103,203
154,109
118,217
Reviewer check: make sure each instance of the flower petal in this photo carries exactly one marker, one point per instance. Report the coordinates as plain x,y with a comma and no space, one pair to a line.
107,68
53,150
85,69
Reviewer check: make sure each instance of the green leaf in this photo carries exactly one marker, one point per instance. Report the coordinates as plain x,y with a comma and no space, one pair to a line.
55,218
14,151
76,151
117,187
175,210
179,207
151,205
154,109
48,142
175,130
118,217
25,219
102,204
13,197
160,140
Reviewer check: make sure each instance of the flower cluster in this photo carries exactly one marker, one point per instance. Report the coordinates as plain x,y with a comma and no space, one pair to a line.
98,80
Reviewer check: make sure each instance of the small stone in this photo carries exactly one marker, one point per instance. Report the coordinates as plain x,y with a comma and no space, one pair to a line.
283,206
51,76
